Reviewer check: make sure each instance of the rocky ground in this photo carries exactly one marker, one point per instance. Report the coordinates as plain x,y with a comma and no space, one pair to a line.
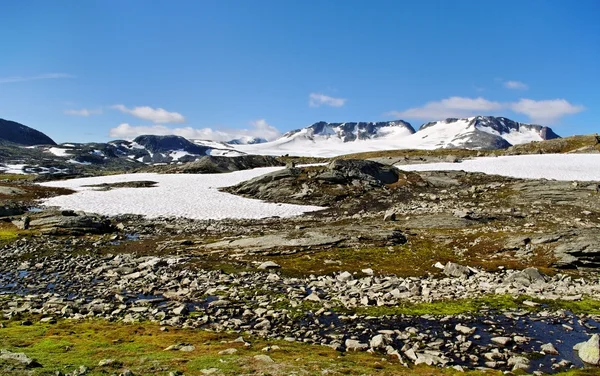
453,270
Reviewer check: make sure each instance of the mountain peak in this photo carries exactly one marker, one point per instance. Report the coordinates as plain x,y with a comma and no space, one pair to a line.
17,133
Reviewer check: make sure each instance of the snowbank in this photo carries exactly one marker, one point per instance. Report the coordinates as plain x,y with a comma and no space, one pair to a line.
176,195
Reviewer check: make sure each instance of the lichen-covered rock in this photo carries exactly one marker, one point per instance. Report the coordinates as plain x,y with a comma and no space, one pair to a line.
589,351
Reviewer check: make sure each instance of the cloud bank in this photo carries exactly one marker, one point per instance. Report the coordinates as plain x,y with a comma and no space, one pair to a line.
515,85
543,111
258,128
155,115
83,112
318,100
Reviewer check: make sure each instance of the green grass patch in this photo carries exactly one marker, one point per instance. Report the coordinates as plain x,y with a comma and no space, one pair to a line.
67,345
478,305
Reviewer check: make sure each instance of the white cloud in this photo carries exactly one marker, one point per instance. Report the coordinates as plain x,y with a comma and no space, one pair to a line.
45,76
318,99
83,112
515,85
545,111
260,128
455,107
155,115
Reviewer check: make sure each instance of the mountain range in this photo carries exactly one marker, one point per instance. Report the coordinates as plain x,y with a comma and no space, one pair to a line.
320,139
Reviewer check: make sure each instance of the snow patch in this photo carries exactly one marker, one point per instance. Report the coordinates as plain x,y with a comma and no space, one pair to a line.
59,152
568,167
193,196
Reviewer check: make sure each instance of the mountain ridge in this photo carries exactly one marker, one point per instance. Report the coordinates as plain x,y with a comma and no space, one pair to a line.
20,134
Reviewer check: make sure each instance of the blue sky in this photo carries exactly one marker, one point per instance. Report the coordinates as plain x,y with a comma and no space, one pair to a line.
99,70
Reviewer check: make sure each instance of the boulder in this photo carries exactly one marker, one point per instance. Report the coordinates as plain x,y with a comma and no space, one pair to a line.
345,171
589,351
19,358
526,277
455,270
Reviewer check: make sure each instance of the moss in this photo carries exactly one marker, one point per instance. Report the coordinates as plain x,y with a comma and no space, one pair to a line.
412,259
446,307
481,304
140,347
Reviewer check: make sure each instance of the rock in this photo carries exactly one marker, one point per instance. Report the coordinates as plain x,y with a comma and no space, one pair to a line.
313,297
263,358
344,276
501,340
109,362
229,351
378,342
549,349
20,358
455,270
268,265
390,216
589,351
526,277
368,271
69,223
519,362
210,371
461,213
10,210
355,345
181,310
11,191
465,329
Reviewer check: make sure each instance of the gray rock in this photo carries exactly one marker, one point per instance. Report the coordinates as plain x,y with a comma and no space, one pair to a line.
263,358
589,351
19,358
549,348
229,351
378,342
269,265
389,216
455,270
355,345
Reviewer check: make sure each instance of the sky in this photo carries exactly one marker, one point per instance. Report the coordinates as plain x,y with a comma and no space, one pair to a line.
97,70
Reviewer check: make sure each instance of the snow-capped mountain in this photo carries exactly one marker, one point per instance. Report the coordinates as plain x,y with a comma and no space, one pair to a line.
332,139
247,140
480,132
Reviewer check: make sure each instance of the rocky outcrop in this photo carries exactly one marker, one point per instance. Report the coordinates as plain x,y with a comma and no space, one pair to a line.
214,164
9,209
20,134
357,171
69,223
326,185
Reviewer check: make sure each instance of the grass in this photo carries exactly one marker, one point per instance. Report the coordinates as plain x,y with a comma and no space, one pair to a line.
7,235
67,345
412,259
16,177
478,305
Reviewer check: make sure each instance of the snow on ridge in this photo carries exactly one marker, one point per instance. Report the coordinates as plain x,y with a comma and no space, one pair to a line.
59,152
566,167
176,195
